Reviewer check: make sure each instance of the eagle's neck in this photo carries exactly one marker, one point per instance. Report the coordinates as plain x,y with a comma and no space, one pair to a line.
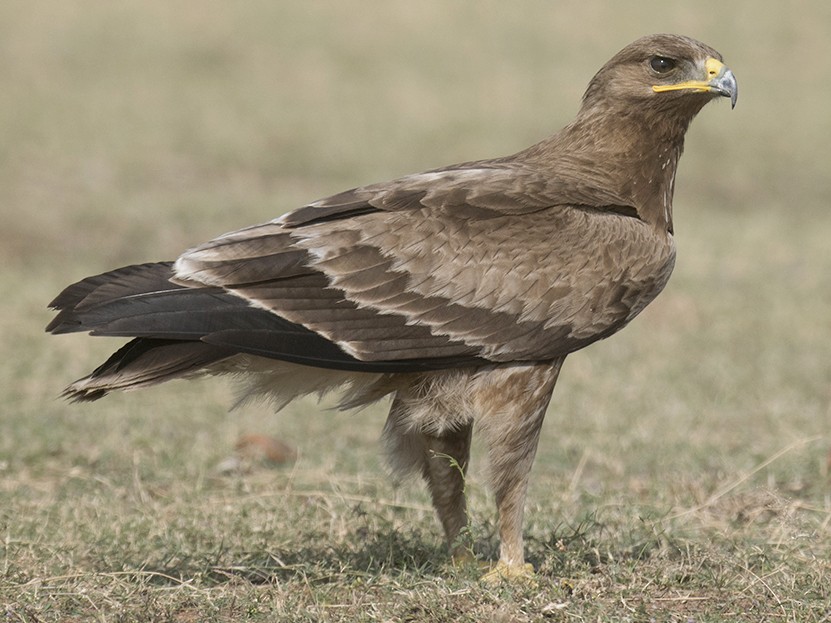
626,155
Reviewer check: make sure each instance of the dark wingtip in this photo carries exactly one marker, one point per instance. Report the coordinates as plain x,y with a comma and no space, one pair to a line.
58,325
81,395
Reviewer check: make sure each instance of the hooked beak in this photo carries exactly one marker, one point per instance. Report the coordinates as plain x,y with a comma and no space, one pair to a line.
719,80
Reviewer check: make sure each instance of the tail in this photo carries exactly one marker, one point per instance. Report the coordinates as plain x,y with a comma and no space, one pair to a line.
140,302
143,362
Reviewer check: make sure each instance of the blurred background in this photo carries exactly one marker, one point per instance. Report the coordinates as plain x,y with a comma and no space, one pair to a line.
130,131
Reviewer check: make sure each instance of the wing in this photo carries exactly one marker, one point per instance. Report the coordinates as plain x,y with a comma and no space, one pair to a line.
473,262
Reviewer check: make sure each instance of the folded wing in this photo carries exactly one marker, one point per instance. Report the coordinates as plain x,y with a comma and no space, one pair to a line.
483,263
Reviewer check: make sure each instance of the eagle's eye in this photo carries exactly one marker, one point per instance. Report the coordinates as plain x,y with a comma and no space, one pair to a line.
661,64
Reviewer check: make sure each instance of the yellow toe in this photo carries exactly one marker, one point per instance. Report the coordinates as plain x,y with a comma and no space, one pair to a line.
502,572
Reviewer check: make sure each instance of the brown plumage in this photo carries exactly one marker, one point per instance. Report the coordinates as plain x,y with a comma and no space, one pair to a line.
458,291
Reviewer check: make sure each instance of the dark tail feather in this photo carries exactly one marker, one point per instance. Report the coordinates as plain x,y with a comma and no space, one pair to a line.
141,301
143,362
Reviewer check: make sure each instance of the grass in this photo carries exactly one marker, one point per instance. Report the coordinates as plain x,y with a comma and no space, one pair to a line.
684,468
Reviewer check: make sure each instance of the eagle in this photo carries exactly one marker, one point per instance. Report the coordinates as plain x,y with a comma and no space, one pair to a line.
458,292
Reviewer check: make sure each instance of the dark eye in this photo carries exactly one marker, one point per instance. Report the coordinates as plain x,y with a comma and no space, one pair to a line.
661,64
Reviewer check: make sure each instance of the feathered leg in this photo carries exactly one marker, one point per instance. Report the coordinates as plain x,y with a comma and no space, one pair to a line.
441,458
512,402
445,465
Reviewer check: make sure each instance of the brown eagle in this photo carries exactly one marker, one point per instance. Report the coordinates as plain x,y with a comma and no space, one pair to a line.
458,291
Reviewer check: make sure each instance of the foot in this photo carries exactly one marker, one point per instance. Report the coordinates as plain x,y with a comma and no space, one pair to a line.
513,574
